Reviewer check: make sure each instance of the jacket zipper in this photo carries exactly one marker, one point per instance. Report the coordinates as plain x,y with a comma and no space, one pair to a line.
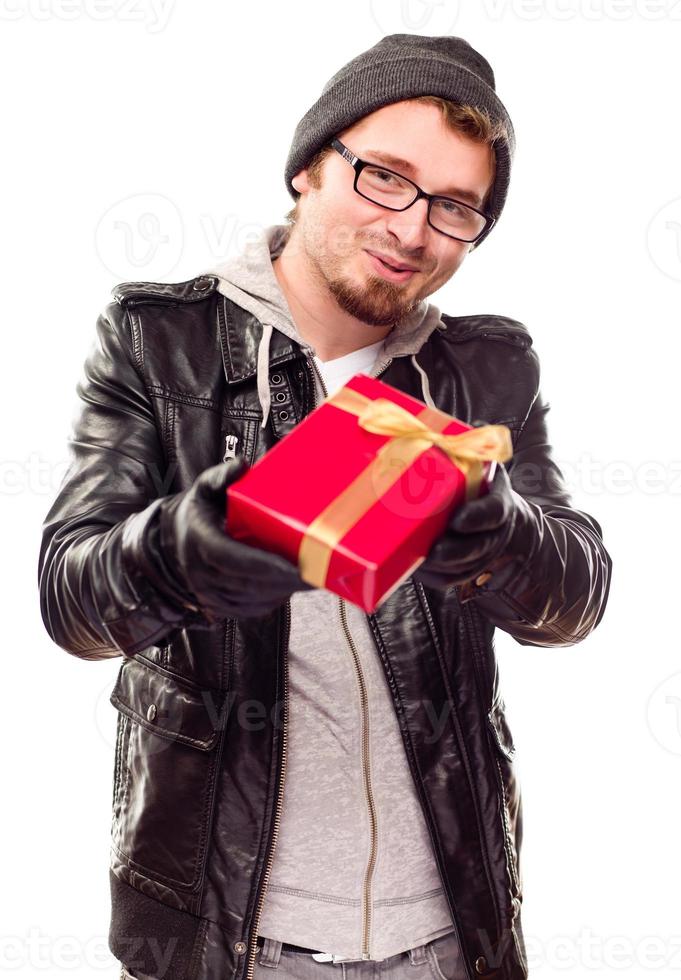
253,938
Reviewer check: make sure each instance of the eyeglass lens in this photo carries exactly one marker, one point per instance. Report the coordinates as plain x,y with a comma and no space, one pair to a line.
393,191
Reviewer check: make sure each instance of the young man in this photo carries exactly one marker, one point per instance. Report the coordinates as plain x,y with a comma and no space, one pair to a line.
298,784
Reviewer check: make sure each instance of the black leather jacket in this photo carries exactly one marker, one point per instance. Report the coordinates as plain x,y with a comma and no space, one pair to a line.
198,780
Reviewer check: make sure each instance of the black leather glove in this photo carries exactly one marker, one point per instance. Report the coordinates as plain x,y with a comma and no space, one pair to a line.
498,525
203,567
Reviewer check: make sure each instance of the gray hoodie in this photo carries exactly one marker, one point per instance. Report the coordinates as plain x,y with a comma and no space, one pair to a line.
354,872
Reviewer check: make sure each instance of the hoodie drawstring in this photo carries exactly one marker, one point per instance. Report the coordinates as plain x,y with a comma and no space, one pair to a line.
425,387
263,372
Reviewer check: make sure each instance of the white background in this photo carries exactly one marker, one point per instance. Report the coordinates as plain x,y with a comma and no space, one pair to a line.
143,141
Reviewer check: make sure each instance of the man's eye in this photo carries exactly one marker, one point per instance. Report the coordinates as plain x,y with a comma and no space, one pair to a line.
450,207
382,175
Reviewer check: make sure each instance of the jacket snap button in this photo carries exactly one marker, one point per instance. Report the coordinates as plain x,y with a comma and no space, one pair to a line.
202,284
151,712
484,577
239,947
280,396
276,379
481,964
283,416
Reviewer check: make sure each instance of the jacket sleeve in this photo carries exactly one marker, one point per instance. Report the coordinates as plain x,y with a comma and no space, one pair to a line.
556,595
101,591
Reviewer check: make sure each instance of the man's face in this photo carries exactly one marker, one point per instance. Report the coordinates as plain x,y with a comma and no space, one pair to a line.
336,226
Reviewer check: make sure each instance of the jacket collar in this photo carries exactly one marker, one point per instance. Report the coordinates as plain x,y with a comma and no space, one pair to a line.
240,335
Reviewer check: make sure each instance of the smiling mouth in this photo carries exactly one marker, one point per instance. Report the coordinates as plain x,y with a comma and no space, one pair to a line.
391,265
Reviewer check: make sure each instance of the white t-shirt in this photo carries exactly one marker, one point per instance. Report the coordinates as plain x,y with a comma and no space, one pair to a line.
339,370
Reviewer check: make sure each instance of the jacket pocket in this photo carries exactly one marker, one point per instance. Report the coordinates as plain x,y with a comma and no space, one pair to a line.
164,773
510,801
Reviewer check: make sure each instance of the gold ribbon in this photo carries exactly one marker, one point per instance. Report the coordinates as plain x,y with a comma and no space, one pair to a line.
411,435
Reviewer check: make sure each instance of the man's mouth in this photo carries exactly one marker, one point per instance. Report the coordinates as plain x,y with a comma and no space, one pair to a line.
397,272
393,263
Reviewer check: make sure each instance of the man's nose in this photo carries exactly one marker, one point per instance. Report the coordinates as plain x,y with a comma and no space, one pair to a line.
411,226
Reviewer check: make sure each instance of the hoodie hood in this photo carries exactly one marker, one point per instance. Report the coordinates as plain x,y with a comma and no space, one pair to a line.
248,279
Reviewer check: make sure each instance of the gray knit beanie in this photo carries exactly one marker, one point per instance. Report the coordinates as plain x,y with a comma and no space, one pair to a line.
401,66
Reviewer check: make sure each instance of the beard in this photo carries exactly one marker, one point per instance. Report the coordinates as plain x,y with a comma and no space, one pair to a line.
374,301
377,303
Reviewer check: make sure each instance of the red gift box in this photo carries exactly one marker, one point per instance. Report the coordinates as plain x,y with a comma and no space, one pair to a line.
358,492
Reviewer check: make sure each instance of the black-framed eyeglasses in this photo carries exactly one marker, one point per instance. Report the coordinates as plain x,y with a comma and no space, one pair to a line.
391,190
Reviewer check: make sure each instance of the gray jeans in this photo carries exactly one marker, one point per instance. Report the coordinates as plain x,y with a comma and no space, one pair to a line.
439,959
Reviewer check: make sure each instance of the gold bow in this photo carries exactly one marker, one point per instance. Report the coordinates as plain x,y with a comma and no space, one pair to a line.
487,442
411,436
